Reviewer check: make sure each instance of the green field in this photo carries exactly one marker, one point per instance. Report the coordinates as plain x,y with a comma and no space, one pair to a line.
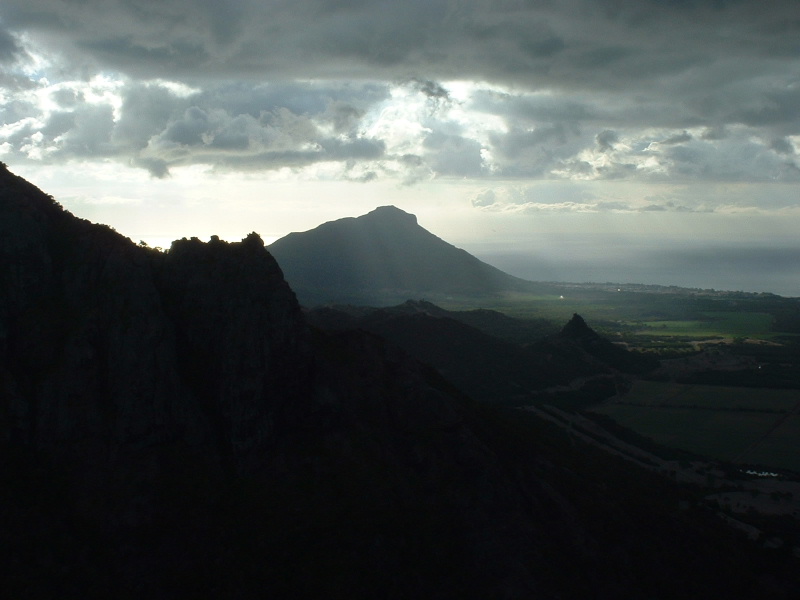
745,425
714,324
676,395
642,315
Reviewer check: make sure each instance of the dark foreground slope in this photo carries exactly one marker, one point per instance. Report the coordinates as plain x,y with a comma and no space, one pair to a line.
380,258
171,428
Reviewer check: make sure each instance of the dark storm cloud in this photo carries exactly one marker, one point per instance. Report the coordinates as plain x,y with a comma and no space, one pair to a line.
11,54
129,55
669,206
547,107
602,44
431,89
774,107
10,50
782,146
740,159
327,150
146,111
535,152
58,124
606,140
90,135
678,138
658,88
714,133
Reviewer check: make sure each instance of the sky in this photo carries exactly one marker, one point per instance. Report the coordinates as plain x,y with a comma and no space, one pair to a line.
651,141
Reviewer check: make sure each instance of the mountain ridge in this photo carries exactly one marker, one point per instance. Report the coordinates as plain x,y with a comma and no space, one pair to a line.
172,427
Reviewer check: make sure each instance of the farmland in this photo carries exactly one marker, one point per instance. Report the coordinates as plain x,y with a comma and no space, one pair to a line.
729,386
640,311
733,424
713,324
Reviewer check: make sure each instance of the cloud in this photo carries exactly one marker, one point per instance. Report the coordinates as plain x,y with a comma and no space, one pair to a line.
157,126
432,89
663,208
542,197
578,90
484,198
678,138
10,50
606,140
581,43
454,155
782,146
90,134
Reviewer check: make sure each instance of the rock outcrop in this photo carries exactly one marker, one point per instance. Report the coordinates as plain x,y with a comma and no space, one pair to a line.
577,336
115,357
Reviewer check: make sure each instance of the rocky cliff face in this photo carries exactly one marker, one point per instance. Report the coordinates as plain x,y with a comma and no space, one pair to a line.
115,357
242,346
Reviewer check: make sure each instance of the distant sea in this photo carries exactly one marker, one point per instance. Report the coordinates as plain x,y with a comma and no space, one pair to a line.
748,269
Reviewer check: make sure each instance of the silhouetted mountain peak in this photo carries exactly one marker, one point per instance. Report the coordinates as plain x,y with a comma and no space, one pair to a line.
420,306
577,328
578,335
382,257
390,214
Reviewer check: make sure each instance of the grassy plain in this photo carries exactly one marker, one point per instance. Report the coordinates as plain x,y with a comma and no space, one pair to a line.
712,397
744,425
649,310
755,325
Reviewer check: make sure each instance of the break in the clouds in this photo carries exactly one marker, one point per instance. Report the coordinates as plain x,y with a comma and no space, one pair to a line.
576,90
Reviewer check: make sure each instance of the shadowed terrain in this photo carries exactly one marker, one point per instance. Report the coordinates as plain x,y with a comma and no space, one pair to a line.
172,427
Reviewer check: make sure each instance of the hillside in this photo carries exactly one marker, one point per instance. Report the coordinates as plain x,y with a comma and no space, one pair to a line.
381,258
468,349
171,427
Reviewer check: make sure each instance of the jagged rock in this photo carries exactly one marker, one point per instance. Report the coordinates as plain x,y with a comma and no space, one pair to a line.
242,344
114,353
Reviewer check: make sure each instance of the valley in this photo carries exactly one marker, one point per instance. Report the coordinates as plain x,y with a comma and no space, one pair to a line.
718,399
